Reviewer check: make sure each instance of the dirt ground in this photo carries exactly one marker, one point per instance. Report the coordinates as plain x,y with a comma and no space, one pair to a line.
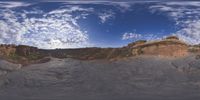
135,78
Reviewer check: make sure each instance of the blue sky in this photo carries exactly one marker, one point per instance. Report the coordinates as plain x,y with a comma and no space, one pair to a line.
50,24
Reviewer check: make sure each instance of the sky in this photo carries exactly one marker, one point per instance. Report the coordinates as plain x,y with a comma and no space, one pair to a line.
51,24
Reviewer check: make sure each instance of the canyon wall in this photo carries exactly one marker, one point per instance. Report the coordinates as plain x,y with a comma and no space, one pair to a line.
166,48
7,50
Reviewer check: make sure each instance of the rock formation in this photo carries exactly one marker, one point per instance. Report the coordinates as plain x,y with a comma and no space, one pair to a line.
194,48
23,50
168,47
172,38
6,50
140,42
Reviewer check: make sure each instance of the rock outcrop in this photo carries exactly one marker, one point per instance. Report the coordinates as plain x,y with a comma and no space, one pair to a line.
140,42
194,48
7,50
172,38
169,47
24,50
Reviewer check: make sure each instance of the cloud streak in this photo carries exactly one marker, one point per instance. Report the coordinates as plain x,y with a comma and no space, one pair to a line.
135,36
106,15
129,35
13,4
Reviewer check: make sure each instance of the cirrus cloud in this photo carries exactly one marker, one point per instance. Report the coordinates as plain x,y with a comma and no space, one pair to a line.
187,17
106,15
129,35
13,4
48,30
135,36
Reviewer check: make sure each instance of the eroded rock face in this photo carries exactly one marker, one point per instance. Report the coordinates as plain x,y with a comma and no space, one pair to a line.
23,50
169,47
169,50
194,49
137,43
6,50
172,38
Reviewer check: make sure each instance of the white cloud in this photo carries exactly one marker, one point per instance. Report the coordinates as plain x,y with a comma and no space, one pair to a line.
55,29
12,4
123,6
135,36
129,35
185,3
187,18
106,15
190,33
71,9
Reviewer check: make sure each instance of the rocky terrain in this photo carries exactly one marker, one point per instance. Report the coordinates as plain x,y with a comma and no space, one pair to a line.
167,69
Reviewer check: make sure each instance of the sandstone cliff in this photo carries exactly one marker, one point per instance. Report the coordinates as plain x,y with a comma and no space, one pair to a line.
6,50
169,47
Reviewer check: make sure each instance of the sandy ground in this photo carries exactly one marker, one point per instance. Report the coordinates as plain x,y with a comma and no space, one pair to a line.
136,78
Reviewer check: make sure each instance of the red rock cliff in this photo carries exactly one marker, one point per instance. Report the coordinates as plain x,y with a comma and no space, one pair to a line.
169,47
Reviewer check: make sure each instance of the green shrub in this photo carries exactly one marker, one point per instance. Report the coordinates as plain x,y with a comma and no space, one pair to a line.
14,56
